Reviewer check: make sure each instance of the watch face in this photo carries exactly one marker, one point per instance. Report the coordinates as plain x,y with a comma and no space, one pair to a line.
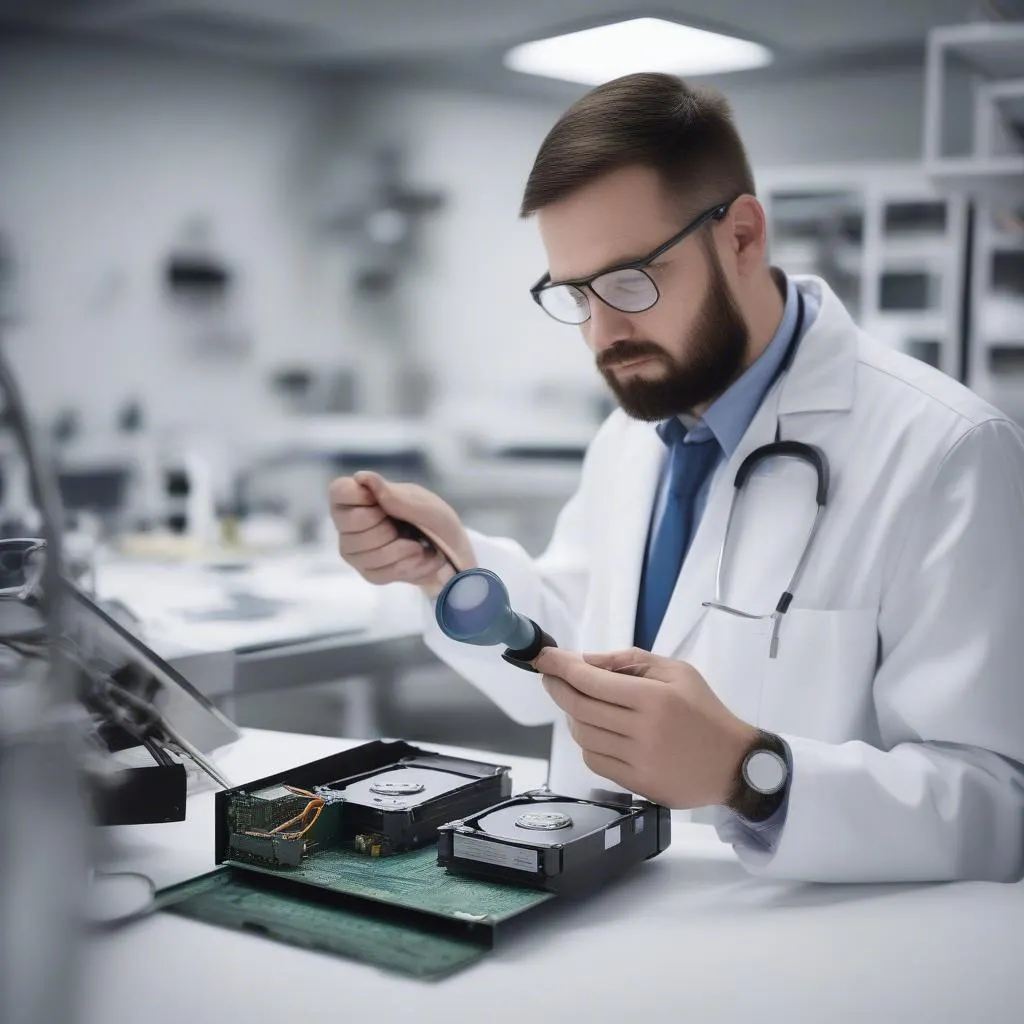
764,771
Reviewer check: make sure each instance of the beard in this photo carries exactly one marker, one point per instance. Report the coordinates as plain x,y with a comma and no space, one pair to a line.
718,348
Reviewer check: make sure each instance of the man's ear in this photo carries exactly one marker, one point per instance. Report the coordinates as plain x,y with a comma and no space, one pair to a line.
748,233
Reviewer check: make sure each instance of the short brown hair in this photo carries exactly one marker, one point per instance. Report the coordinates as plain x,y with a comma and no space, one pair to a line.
653,120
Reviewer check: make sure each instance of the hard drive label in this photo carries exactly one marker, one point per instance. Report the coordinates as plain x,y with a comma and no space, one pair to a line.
494,853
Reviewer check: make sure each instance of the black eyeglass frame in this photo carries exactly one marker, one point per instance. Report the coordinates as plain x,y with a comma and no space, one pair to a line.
22,548
716,212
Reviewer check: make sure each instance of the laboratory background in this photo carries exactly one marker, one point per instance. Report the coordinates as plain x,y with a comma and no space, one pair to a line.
249,246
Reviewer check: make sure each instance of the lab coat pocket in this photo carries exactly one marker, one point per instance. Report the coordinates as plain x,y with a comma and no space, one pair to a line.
819,685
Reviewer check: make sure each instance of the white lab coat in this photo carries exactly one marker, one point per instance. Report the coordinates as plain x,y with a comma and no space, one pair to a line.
899,681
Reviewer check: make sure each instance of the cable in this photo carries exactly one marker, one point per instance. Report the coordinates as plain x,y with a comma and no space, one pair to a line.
158,754
185,749
314,807
116,716
99,924
156,725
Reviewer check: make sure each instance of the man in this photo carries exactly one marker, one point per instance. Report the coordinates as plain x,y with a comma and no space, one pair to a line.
875,730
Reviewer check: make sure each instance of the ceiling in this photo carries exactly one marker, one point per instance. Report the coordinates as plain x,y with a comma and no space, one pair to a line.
460,42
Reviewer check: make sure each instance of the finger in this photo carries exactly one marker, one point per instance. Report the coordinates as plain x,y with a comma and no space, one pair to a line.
589,711
611,768
635,661
347,491
405,502
413,567
358,541
555,661
407,570
357,518
598,683
369,479
380,489
434,565
391,555
396,502
593,740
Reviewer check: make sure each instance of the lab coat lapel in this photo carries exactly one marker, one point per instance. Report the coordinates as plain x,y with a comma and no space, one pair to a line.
822,379
636,485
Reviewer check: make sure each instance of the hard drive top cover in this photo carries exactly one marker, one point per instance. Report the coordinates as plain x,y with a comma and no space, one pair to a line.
536,800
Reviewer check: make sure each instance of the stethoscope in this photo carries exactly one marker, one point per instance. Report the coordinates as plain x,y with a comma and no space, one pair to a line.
473,606
808,453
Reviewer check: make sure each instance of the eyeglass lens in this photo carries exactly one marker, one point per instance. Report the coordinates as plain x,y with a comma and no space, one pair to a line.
629,291
20,564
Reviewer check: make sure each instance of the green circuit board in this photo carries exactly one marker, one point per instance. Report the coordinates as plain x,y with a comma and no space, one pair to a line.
413,880
224,898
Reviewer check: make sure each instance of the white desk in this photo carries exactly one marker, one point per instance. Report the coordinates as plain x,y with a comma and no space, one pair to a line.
322,622
194,607
688,937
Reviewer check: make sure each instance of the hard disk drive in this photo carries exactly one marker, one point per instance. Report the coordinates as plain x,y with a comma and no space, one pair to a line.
557,843
406,858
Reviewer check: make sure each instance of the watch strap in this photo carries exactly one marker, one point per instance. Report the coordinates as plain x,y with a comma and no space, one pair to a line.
746,801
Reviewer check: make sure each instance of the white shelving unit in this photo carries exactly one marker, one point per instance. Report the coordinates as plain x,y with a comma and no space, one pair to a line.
888,242
991,176
992,55
997,310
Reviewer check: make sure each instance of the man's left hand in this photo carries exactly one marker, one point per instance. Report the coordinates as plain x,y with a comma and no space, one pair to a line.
650,724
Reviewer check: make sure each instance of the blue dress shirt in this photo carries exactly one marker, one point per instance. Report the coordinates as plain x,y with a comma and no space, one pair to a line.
728,418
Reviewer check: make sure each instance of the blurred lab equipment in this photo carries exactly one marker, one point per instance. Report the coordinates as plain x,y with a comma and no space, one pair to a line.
43,849
372,215
202,288
381,211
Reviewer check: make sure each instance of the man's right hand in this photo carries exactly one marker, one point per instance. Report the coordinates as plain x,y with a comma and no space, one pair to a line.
364,508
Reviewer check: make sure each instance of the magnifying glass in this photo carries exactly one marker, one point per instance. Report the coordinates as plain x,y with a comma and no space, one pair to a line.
474,608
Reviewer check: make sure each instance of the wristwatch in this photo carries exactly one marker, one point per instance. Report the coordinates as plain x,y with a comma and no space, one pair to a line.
762,779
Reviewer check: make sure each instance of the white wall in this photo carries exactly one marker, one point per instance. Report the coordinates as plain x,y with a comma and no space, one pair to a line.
105,154
470,311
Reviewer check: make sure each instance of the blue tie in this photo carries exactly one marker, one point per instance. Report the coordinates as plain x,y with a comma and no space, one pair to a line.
689,466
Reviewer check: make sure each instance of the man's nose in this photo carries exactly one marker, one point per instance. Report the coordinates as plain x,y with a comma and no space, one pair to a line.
605,326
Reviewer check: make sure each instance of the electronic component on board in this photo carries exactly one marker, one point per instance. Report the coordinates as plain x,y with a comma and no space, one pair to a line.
390,808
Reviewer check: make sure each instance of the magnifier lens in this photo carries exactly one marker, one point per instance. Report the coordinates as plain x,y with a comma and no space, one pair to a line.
468,593
473,607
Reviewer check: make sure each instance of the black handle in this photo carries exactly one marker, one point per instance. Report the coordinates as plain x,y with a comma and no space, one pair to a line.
815,457
522,658
407,531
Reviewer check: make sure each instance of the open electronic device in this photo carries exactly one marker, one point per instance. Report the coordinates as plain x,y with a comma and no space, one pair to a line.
406,858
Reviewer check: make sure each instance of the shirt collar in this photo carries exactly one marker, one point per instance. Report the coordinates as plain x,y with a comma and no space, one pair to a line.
730,414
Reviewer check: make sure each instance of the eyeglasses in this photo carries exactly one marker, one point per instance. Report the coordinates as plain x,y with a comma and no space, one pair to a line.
22,562
627,287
